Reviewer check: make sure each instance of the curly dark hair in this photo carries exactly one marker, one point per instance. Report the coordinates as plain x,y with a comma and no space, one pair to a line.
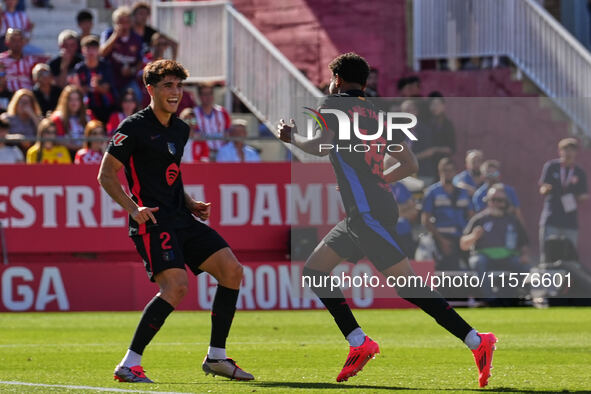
156,71
350,67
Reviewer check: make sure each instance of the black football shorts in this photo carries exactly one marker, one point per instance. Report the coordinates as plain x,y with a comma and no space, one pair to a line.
363,236
166,247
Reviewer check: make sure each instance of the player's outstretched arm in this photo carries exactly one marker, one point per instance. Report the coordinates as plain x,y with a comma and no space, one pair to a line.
289,133
108,179
394,172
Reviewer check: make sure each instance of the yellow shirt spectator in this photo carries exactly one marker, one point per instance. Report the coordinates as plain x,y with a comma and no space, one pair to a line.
55,155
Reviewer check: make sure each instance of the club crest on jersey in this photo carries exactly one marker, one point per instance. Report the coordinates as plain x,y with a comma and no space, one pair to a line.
118,139
172,148
171,173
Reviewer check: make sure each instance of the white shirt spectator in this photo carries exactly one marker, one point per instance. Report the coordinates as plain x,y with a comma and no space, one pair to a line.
229,154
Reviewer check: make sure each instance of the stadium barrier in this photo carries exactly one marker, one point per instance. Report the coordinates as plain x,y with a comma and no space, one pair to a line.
62,209
124,286
233,50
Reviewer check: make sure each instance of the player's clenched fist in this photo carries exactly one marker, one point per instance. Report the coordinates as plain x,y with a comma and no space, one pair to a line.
142,214
285,131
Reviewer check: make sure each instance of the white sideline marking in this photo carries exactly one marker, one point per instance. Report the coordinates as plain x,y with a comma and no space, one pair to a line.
66,344
65,386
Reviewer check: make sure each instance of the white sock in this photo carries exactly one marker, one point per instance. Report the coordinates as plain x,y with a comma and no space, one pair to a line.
356,337
472,340
216,353
131,359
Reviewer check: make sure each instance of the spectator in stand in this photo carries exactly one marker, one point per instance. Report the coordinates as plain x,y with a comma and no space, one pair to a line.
443,131
46,93
491,170
84,20
236,151
409,86
371,86
48,151
196,149
42,4
122,48
23,115
8,154
5,94
423,148
213,120
15,19
140,12
497,240
564,187
158,47
17,65
446,210
71,116
471,178
63,64
94,146
407,214
95,77
129,105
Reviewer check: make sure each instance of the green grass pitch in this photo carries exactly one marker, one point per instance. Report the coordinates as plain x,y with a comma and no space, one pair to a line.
538,351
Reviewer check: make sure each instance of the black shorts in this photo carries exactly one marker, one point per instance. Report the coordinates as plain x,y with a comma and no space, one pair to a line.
363,236
168,247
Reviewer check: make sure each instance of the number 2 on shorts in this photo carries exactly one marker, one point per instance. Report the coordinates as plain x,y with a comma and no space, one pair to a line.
165,237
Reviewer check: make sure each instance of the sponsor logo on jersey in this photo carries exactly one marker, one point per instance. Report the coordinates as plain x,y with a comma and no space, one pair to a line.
172,173
118,139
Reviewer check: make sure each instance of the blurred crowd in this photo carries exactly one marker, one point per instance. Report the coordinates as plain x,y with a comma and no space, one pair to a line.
62,109
469,218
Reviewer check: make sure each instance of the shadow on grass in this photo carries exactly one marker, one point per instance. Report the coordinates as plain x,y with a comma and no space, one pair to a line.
340,386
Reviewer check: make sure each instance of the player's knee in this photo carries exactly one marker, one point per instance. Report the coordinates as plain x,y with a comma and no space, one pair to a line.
179,291
236,273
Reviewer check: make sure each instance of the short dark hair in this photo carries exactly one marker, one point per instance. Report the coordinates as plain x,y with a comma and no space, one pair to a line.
4,124
84,16
139,5
402,82
350,67
156,71
435,94
444,162
90,41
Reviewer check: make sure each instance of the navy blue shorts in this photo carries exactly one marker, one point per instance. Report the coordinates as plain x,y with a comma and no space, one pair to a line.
363,236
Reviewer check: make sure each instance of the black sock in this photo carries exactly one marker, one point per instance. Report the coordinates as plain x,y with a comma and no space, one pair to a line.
222,313
437,307
155,313
334,301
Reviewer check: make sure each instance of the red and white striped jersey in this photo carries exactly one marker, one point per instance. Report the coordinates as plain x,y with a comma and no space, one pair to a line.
215,124
18,72
16,20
